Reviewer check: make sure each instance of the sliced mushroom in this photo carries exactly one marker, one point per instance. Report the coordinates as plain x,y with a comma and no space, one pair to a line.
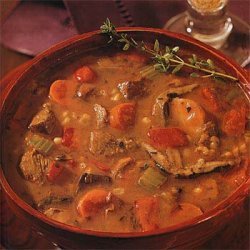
53,200
201,167
88,179
161,109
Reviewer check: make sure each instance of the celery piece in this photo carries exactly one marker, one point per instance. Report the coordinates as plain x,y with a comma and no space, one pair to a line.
152,178
41,144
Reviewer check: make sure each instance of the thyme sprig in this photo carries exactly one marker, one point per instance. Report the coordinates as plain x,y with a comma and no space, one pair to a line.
166,60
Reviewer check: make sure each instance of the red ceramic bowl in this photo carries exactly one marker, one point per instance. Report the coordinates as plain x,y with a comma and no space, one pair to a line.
186,235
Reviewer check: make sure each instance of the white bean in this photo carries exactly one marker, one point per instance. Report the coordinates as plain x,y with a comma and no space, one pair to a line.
85,119
66,120
116,97
146,120
114,91
57,140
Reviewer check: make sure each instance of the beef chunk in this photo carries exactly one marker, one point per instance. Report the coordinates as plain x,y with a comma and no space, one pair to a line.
132,89
85,90
103,143
101,115
33,166
45,122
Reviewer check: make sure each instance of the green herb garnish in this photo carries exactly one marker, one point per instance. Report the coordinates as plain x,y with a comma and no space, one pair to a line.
166,60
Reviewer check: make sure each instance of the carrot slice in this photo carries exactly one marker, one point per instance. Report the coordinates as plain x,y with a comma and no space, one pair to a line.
122,116
55,169
147,213
184,212
62,91
234,121
212,101
92,202
167,137
85,74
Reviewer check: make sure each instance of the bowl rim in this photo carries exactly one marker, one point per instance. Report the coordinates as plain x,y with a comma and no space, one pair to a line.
240,192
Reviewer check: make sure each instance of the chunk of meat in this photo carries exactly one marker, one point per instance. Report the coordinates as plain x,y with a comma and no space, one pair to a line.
93,202
33,166
184,212
132,89
101,116
167,137
161,106
85,75
45,122
84,91
122,116
234,121
147,213
103,143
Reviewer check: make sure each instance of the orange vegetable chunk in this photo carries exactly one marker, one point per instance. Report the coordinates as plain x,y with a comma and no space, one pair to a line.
211,99
93,202
62,91
167,137
234,121
147,213
122,116
55,169
85,75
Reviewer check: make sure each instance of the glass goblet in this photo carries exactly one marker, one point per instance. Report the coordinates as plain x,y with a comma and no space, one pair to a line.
209,22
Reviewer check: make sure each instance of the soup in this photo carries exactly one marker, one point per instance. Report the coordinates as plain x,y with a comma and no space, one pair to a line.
114,146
